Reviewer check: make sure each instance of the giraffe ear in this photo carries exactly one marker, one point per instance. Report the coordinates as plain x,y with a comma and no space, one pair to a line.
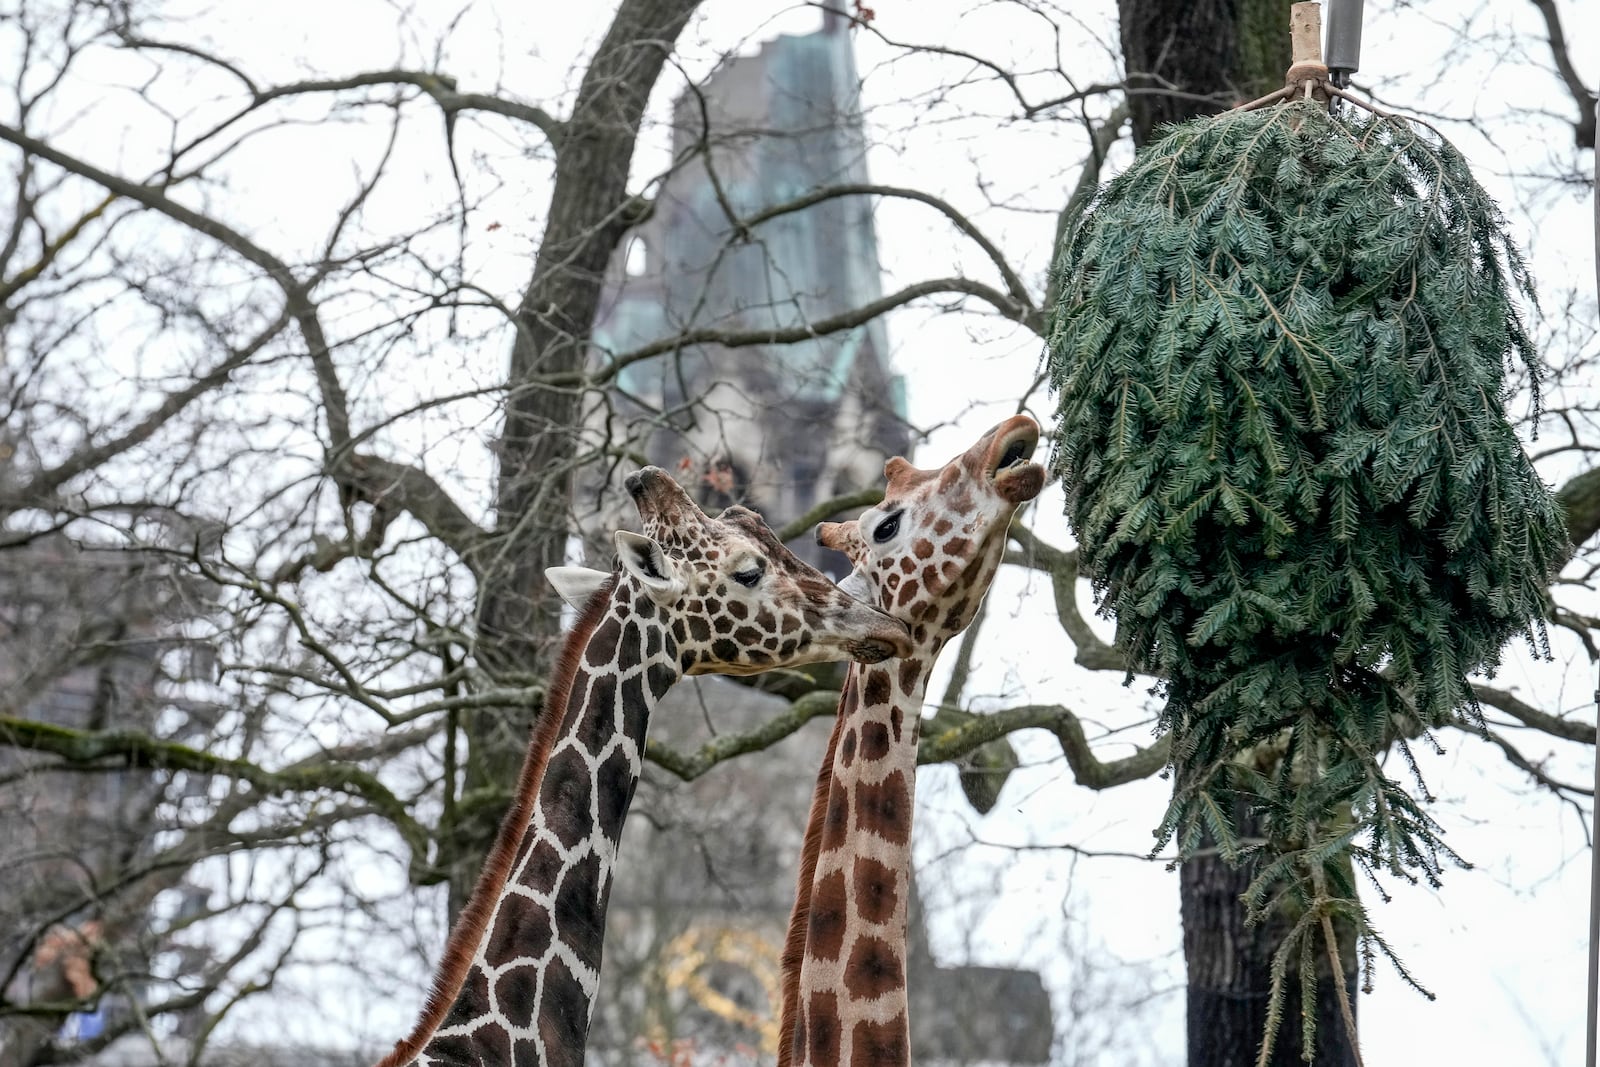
642,557
576,584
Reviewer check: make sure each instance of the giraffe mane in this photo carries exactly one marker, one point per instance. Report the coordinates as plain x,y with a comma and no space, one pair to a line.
470,926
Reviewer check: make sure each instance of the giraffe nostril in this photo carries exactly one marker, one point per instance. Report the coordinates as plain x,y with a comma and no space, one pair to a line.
634,483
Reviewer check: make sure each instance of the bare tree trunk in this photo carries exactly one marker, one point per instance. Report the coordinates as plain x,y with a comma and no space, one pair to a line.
1197,57
590,209
1230,973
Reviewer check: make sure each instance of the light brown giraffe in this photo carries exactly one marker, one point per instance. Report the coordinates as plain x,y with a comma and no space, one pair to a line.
926,555
696,596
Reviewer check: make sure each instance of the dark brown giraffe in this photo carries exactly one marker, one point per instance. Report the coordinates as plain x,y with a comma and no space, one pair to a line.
696,596
926,555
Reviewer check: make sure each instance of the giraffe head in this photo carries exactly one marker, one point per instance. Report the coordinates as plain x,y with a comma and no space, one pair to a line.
928,552
735,600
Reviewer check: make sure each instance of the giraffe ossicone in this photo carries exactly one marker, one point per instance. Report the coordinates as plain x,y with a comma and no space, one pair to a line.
692,595
926,555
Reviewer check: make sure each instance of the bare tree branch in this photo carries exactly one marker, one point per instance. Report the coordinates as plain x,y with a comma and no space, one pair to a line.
1008,308
1101,138
1062,567
46,483
1013,282
386,483
300,304
689,766
131,748
1533,770
11,286
1089,770
1584,97
441,87
861,498
1580,498
1528,715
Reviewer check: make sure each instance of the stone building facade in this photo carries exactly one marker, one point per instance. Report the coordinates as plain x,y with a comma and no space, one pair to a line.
89,640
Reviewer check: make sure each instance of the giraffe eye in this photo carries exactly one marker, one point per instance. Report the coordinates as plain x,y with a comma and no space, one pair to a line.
749,577
887,528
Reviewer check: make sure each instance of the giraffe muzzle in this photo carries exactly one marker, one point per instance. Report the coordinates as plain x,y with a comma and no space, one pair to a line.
659,497
871,650
882,637
1015,477
635,483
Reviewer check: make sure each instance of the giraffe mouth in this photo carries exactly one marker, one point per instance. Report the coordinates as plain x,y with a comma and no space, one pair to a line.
659,498
1015,478
870,650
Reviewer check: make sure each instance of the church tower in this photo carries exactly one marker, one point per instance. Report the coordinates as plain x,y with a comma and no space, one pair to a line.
777,427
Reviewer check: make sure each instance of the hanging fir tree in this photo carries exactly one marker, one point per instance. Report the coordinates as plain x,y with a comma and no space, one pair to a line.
1282,353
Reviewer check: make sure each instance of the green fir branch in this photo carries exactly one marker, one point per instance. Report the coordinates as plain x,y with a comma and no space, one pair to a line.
1280,350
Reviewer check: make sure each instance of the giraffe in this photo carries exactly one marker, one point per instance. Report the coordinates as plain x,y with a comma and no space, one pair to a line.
693,595
926,555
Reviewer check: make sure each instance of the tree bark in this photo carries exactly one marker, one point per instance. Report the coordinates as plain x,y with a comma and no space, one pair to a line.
1197,57
590,209
1230,973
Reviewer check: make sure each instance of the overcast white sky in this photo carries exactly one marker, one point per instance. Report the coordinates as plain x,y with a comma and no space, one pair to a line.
1501,945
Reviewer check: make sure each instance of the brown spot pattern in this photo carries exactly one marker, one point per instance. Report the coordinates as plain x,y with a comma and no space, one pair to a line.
875,891
516,991
563,1017
836,823
875,691
603,645
829,914
885,808
566,797
873,969
822,1019
519,933
874,741
909,670
544,864
493,1045
877,1044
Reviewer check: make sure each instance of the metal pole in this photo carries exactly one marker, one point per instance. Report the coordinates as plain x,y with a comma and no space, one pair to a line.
1344,40
1594,847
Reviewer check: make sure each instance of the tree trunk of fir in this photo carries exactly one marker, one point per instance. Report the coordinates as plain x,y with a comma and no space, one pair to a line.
1230,973
1186,58
1197,57
518,618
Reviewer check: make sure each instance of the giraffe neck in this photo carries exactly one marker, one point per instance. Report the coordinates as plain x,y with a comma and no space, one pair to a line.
523,962
844,983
